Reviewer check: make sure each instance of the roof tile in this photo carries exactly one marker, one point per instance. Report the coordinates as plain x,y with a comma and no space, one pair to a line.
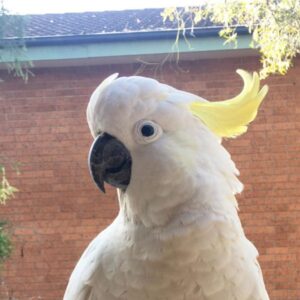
89,23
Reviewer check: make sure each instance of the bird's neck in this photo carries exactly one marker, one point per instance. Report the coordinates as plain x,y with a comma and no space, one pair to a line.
205,197
184,188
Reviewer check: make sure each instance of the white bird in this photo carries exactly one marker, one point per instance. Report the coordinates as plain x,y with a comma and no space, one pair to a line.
177,235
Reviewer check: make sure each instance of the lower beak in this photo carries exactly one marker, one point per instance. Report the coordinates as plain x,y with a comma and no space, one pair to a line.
110,162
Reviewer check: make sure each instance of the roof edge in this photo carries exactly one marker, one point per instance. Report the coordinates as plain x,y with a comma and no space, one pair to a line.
124,36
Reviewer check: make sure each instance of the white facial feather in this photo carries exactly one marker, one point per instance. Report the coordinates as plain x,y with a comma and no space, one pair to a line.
186,155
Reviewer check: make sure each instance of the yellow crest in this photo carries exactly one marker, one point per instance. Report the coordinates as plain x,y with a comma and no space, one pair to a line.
229,118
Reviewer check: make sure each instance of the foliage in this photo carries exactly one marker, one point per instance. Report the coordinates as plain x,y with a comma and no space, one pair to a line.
5,243
12,44
6,192
11,41
274,25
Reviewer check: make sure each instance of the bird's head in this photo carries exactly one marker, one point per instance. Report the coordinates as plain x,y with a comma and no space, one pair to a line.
159,145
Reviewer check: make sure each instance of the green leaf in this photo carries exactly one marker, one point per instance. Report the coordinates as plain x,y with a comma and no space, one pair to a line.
274,25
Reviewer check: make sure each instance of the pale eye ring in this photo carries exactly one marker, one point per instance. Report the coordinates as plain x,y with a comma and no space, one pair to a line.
147,131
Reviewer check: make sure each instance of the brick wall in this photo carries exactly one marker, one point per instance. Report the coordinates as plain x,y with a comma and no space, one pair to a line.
58,209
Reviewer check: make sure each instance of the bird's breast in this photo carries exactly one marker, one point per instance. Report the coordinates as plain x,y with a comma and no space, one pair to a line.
200,261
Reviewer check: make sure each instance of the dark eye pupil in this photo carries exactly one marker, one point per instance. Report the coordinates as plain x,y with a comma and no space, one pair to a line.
147,130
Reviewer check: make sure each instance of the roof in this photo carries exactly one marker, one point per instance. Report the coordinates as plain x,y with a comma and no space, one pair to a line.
112,37
95,23
98,23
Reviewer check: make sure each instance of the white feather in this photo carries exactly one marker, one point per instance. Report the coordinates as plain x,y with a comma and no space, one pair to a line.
178,235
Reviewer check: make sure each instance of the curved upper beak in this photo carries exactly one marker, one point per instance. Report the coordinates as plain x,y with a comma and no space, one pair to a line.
109,161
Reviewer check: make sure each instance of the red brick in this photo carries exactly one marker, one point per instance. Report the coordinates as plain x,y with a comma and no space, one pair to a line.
59,210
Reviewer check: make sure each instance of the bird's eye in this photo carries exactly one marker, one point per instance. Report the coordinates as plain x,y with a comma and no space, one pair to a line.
147,131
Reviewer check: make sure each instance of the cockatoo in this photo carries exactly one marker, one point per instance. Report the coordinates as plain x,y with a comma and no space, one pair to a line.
177,235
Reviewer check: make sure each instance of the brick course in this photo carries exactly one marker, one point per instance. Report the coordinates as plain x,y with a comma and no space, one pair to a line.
59,210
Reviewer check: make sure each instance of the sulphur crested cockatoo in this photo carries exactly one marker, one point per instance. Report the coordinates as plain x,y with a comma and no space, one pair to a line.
177,235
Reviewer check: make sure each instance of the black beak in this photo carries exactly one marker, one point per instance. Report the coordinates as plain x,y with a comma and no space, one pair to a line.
109,161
